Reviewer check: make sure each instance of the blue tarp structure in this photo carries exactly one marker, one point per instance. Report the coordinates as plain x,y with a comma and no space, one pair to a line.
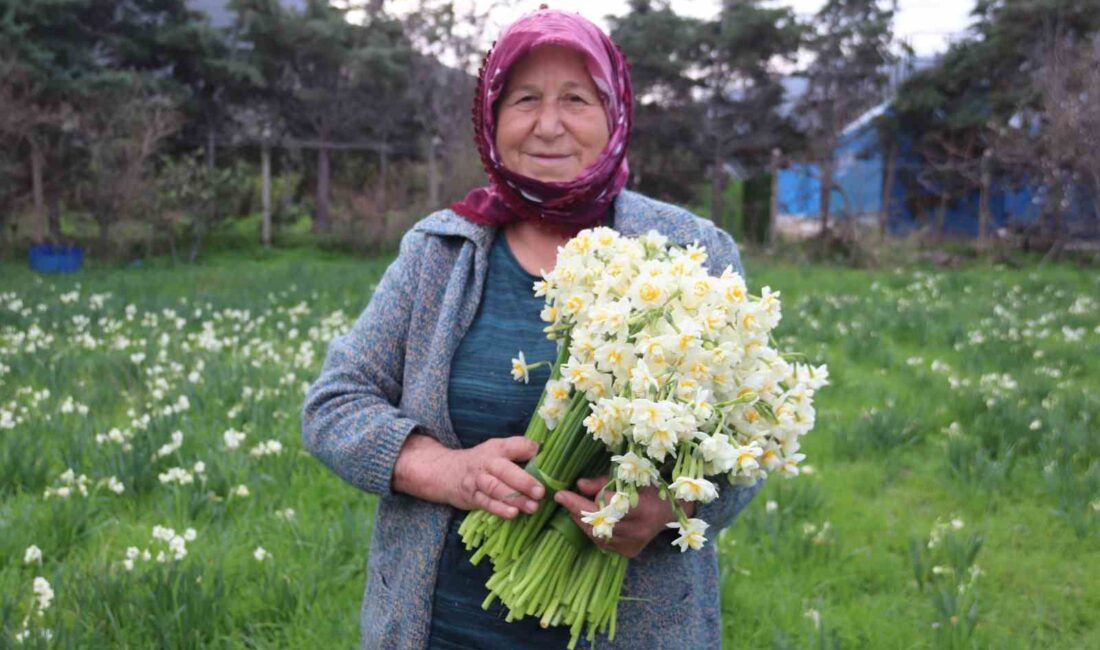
860,171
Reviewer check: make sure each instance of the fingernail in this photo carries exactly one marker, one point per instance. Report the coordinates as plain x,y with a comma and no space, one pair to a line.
538,492
531,506
557,498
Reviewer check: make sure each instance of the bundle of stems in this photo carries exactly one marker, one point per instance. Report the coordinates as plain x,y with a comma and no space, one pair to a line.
562,579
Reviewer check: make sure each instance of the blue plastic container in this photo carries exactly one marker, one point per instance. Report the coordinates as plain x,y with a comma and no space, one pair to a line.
55,258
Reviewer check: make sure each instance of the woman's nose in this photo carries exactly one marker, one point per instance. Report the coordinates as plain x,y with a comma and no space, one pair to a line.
548,124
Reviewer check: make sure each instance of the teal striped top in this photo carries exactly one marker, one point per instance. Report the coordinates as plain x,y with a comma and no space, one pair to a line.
485,402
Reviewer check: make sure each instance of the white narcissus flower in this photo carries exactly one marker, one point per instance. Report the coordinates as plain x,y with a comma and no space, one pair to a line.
552,411
747,456
662,441
718,451
267,448
581,375
178,546
691,534
558,389
694,489
43,592
789,467
602,521
233,438
619,504
635,469
115,485
519,368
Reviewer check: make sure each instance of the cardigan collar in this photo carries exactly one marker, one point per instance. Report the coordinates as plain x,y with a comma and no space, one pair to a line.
634,215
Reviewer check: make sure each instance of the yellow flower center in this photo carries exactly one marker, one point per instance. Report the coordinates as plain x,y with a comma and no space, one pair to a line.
649,293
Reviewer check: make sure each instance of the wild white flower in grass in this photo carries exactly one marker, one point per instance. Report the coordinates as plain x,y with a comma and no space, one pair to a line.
693,489
267,448
176,475
132,553
241,491
199,468
233,439
770,506
171,447
178,547
43,594
45,634
261,554
114,485
70,484
33,554
691,534
814,616
285,514
137,357
72,406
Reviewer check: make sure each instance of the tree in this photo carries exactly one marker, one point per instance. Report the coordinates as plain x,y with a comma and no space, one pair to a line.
21,117
1058,141
995,98
330,79
661,47
69,51
441,86
741,51
851,48
121,132
198,199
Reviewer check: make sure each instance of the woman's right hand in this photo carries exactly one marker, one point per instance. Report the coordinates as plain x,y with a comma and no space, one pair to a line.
485,477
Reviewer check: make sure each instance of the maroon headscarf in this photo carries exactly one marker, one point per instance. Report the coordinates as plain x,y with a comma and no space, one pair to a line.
565,207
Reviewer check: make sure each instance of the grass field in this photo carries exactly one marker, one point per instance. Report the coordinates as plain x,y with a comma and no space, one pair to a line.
953,498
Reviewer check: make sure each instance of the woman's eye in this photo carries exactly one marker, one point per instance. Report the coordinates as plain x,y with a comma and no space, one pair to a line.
526,98
576,99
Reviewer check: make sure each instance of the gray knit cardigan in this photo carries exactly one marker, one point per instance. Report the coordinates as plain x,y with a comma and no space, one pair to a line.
388,376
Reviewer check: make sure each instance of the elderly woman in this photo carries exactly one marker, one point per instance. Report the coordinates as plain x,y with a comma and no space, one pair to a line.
416,403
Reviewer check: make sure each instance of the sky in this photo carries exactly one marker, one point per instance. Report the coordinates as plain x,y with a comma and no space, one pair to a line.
928,25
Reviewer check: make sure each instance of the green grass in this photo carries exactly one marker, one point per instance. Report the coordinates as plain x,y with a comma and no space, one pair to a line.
937,378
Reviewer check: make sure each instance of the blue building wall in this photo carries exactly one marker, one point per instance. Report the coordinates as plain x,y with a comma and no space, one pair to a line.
860,173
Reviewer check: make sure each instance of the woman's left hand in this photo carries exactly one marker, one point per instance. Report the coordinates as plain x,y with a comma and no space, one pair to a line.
636,530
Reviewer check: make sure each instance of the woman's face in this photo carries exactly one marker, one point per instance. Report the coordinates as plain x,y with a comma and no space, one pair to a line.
550,122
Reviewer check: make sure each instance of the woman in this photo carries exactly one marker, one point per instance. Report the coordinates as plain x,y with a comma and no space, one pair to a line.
416,403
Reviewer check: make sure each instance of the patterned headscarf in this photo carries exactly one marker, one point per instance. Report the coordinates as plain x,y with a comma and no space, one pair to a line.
565,207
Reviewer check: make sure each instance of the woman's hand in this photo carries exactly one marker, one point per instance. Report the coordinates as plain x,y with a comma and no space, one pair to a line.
485,477
636,530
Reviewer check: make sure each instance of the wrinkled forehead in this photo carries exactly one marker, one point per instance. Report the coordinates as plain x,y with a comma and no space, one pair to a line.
553,28
563,59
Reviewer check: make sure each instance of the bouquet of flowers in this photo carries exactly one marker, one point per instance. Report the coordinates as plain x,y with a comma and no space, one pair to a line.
665,377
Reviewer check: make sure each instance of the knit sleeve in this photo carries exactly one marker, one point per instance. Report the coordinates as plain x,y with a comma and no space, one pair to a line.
351,420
